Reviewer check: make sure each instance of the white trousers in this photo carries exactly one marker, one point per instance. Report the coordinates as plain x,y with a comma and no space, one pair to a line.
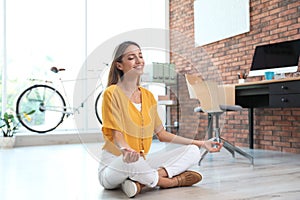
113,170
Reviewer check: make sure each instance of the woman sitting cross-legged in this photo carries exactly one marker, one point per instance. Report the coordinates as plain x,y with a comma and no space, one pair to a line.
130,118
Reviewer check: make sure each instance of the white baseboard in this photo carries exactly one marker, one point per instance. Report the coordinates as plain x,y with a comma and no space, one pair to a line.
54,139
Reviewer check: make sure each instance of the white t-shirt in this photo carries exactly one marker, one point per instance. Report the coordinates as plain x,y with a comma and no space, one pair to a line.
138,106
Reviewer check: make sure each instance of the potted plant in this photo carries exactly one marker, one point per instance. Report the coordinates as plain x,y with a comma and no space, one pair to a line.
9,125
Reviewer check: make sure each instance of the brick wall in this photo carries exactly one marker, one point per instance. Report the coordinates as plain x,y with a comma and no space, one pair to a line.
270,21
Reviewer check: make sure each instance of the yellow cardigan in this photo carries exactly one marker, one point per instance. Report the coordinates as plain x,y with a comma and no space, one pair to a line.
119,113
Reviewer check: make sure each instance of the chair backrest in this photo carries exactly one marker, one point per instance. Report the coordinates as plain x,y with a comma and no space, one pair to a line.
209,93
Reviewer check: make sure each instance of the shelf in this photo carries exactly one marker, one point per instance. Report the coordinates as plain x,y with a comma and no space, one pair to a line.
171,126
167,102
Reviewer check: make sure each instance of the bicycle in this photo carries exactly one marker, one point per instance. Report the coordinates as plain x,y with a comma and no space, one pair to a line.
49,105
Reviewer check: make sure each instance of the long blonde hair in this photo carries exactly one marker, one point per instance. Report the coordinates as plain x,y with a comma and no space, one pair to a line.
115,74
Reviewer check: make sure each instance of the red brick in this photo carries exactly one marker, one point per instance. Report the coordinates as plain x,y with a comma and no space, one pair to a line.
291,150
271,138
283,123
281,144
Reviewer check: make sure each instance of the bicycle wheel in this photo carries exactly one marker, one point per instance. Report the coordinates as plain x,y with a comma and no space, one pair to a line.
49,107
98,107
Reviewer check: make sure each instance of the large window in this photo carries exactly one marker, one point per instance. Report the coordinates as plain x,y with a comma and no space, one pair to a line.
41,34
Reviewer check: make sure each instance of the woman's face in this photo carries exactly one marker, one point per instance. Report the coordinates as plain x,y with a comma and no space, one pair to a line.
132,61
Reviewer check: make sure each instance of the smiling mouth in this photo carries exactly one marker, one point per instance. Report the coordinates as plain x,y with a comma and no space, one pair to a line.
138,67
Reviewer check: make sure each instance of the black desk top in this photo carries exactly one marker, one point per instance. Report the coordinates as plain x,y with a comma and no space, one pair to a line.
267,81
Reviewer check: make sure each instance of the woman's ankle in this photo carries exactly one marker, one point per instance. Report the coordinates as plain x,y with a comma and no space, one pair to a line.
162,172
165,182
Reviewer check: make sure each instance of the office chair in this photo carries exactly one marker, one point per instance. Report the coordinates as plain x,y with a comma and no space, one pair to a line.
214,100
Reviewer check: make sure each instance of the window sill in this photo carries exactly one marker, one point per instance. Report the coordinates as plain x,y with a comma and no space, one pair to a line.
57,137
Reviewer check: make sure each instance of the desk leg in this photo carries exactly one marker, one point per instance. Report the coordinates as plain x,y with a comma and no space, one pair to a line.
210,126
250,118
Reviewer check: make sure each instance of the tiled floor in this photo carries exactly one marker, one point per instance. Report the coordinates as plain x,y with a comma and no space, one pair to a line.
69,172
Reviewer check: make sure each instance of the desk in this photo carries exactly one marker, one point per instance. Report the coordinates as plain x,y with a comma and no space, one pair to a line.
282,93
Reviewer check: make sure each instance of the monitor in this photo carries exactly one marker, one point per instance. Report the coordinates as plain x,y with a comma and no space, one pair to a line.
280,57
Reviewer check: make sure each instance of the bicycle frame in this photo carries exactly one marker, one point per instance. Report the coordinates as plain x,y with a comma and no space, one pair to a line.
69,110
46,100
72,110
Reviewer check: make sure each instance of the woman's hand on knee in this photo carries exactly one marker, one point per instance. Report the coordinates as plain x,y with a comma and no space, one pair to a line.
129,155
212,146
